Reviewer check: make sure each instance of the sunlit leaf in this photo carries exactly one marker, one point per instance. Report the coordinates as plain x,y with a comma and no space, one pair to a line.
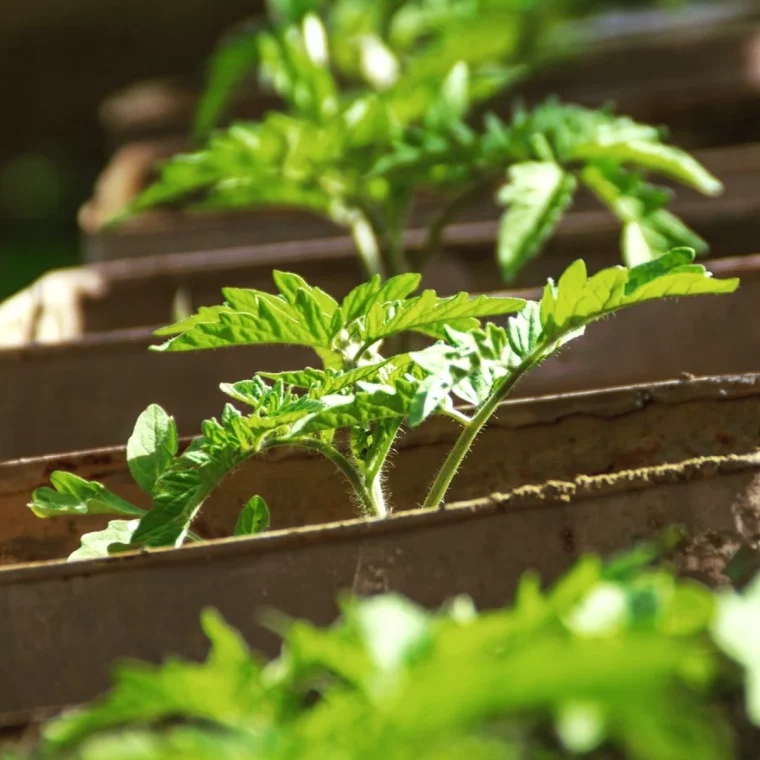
536,196
153,444
72,495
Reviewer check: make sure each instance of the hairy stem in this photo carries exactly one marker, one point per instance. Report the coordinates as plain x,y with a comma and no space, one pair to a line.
367,496
374,466
463,444
371,498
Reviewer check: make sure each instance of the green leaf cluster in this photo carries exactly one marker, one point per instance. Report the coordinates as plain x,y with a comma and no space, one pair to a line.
616,659
352,409
378,100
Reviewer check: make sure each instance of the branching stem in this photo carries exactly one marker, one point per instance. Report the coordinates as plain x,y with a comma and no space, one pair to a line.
440,221
371,498
463,444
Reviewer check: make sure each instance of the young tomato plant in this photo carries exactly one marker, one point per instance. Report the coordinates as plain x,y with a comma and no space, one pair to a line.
361,154
353,408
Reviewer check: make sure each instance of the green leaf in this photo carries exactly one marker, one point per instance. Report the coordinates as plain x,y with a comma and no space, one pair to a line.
96,545
359,301
653,156
267,326
290,285
324,382
371,402
153,445
648,229
185,486
429,314
300,315
477,364
577,299
225,689
72,495
254,518
228,66
537,195
182,490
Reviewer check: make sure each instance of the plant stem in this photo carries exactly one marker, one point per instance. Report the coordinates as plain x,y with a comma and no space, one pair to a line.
463,444
367,246
371,498
392,225
440,221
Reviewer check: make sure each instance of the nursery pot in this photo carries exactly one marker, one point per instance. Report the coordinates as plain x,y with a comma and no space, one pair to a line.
549,480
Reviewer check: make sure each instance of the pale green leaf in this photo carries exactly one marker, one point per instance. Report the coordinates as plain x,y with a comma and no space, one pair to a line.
653,156
96,545
477,364
152,446
636,249
648,229
72,495
537,195
735,632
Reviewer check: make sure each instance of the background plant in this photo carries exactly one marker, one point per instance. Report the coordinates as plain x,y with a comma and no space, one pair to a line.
353,409
378,100
617,659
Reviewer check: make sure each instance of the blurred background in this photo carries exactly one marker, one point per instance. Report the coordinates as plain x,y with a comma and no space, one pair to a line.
60,60
78,76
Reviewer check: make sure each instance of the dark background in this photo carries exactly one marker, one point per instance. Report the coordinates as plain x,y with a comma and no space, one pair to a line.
59,59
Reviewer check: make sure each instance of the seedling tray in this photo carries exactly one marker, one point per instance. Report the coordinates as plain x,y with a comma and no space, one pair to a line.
88,393
549,480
